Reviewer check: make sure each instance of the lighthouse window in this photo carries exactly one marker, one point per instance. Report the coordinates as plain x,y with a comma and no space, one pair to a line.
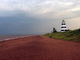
63,23
63,27
62,30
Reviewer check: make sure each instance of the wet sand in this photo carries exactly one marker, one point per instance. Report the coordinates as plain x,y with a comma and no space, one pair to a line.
8,37
39,48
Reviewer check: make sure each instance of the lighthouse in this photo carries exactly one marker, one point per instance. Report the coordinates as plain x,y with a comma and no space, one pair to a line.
63,26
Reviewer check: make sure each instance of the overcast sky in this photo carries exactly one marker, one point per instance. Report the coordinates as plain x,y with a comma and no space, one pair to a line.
38,16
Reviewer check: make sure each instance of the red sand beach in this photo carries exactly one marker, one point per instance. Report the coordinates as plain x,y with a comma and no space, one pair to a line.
39,48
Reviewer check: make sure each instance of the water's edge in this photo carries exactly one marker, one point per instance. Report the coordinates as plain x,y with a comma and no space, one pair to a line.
3,38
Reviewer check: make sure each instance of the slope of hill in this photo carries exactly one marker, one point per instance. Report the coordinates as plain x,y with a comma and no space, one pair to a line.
73,35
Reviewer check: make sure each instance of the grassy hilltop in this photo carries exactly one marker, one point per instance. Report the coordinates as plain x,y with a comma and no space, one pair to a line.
73,35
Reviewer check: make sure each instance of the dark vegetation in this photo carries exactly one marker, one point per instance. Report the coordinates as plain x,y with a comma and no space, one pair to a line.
73,35
54,30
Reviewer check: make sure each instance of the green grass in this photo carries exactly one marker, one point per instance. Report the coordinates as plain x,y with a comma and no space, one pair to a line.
73,35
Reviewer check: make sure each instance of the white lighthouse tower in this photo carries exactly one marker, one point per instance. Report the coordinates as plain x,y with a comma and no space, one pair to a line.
63,26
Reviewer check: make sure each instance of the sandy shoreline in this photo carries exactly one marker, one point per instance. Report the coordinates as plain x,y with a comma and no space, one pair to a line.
10,37
39,48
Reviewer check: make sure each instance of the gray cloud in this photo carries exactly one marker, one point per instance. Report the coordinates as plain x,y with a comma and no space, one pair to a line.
36,16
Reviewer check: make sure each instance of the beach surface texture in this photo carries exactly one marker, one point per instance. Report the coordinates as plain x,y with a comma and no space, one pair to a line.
39,48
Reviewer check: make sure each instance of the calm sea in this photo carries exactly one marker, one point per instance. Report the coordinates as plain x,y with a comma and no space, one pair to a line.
9,37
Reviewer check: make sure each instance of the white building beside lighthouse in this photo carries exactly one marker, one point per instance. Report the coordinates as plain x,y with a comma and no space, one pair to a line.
63,26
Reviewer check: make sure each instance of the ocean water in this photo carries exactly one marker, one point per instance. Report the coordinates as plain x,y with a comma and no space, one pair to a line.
10,37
